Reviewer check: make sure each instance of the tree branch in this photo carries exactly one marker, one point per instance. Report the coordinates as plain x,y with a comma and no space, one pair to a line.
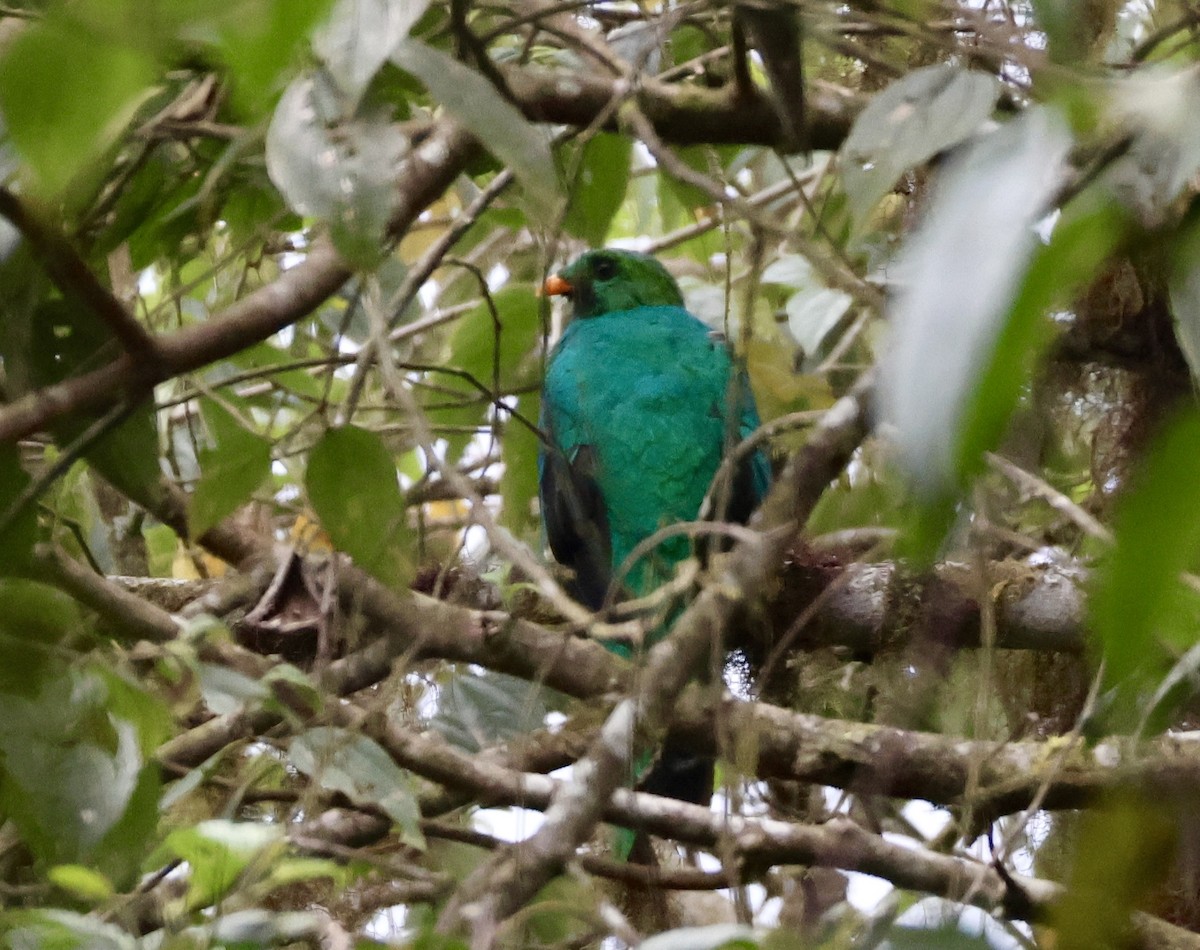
425,174
756,842
75,279
680,113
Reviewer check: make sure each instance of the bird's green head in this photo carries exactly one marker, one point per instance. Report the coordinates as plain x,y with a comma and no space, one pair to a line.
604,281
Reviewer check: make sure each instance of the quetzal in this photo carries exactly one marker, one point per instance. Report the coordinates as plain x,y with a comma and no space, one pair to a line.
640,404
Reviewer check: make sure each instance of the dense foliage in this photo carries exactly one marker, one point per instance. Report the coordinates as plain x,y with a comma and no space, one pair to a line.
283,661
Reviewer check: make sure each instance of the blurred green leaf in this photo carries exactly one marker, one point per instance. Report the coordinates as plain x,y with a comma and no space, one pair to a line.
218,851
679,200
1081,242
227,691
960,274
264,356
1157,526
360,769
712,937
162,545
504,131
946,937
1160,108
68,86
69,338
260,39
352,485
600,188
231,469
297,870
925,112
70,771
1184,290
1125,850
335,167
360,36
813,314
18,539
33,618
82,882
62,930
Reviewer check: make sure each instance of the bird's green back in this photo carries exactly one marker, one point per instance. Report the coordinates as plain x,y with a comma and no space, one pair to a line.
640,403
647,389
641,400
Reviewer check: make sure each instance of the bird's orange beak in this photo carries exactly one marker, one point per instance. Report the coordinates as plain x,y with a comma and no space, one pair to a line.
556,286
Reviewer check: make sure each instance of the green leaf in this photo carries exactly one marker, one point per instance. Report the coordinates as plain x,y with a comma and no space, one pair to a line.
495,350
82,882
227,691
260,39
960,275
336,168
925,112
263,356
70,770
1160,108
68,339
814,313
600,187
496,122
945,937
678,200
296,870
1157,526
519,453
352,486
231,469
485,344
18,539
218,851
1125,850
69,86
360,36
62,930
299,684
360,769
478,710
33,618
1184,290
1079,245
162,545
712,937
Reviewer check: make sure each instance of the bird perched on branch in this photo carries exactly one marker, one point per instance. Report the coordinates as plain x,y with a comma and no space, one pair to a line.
640,404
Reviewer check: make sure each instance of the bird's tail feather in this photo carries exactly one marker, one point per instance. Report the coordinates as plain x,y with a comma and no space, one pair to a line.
680,773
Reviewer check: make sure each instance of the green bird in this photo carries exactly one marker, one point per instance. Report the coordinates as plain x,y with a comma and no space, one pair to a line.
640,403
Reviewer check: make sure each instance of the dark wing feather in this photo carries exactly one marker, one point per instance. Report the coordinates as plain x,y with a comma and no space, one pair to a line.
750,484
576,520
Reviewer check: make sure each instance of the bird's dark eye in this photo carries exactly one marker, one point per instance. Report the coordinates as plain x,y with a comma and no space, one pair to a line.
605,268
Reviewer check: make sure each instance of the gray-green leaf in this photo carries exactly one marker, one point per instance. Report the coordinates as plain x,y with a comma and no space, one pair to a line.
359,38
1184,289
912,120
334,167
360,769
958,278
504,132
